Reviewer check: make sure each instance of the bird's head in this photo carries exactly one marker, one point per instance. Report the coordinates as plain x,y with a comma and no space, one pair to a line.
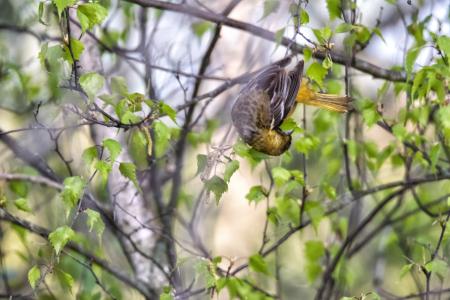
272,142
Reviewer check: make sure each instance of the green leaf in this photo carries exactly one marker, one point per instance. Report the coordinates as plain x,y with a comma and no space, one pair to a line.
443,43
20,188
91,14
270,6
60,237
41,13
411,57
73,191
162,138
317,73
280,176
128,170
399,131
62,4
315,211
113,147
256,194
119,85
216,185
95,222
22,204
254,157
202,161
327,63
314,250
434,155
65,279
334,8
304,17
377,31
200,28
258,264
231,167
307,54
33,276
104,169
169,111
323,34
140,147
77,48
89,155
405,270
343,27
92,83
437,266
166,295
279,34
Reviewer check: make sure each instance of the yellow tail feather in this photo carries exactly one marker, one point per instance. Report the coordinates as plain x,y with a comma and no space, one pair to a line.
331,102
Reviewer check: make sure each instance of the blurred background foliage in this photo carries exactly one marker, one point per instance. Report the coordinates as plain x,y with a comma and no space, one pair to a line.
358,207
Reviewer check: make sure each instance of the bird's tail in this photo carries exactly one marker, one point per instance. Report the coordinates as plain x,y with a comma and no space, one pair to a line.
328,101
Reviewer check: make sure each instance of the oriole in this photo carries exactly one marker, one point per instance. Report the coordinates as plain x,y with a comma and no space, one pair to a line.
269,98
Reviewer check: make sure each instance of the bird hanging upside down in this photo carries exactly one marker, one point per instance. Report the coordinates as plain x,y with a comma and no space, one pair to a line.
269,98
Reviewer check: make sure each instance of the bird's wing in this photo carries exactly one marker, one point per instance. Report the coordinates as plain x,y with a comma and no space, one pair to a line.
283,96
281,87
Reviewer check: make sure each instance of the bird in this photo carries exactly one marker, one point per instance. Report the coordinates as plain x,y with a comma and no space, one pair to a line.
269,98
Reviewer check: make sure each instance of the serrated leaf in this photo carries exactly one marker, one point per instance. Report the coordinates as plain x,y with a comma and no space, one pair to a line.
162,137
22,204
62,4
405,270
327,63
119,85
60,237
77,48
202,161
314,250
104,169
256,194
437,266
434,155
200,28
169,111
128,170
73,191
113,147
91,83
443,43
66,280
280,175
270,6
34,274
304,17
279,36
41,13
217,186
89,155
334,8
19,187
231,167
95,222
377,31
343,27
411,57
258,264
307,54
91,14
399,131
317,73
